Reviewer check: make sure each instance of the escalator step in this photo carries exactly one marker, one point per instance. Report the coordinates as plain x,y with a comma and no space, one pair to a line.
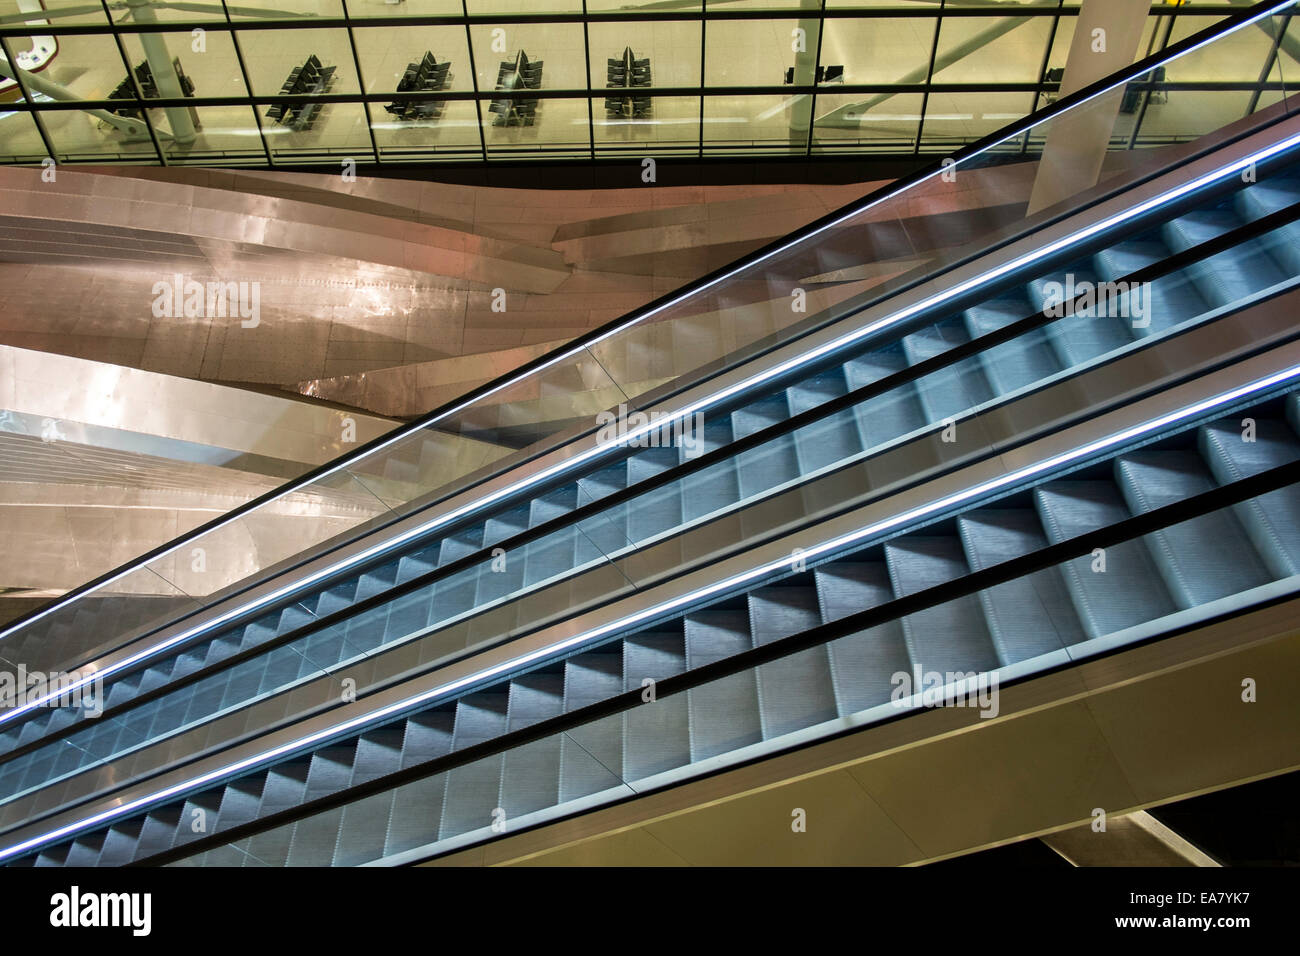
1028,616
1172,299
952,391
834,437
1271,520
413,820
1263,199
1204,559
1016,364
1230,276
772,464
313,839
953,635
889,416
1079,338
724,714
795,691
1130,590
656,735
863,664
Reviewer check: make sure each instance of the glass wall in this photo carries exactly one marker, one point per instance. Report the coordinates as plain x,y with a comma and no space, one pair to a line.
399,81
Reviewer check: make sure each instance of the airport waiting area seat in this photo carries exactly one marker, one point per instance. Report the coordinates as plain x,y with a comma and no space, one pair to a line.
148,87
520,73
825,74
426,75
625,77
309,78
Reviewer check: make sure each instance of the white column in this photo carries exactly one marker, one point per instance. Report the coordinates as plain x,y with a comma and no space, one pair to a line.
1106,39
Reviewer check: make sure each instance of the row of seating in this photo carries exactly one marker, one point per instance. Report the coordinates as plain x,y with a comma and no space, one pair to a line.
517,74
148,87
627,73
427,75
309,78
825,74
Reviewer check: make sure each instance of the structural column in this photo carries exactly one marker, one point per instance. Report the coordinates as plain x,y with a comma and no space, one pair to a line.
805,71
1106,39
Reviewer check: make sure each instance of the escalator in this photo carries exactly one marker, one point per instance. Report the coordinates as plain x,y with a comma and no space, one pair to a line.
235,717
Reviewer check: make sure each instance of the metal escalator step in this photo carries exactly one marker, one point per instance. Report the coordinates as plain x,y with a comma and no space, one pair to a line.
656,735
1171,299
241,800
458,545
1204,559
1028,616
364,829
654,512
530,776
796,691
313,839
415,815
121,843
379,753
1130,590
862,664
832,438
724,715
1079,338
286,785
1016,364
889,416
552,555
953,635
774,462
330,770
592,677
505,524
1271,520
952,391
1230,276
1263,199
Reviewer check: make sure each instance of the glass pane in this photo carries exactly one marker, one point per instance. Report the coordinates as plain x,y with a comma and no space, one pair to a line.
671,46
524,127
409,8
272,56
99,135
994,50
865,121
303,8
953,120
767,123
20,140
554,51
261,539
879,51
671,124
86,67
755,52
223,134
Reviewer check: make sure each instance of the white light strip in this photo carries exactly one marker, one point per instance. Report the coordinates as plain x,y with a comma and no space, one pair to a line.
748,264
630,620
632,435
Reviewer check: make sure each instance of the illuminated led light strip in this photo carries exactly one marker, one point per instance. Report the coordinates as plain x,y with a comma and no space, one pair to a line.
888,524
344,464
683,413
